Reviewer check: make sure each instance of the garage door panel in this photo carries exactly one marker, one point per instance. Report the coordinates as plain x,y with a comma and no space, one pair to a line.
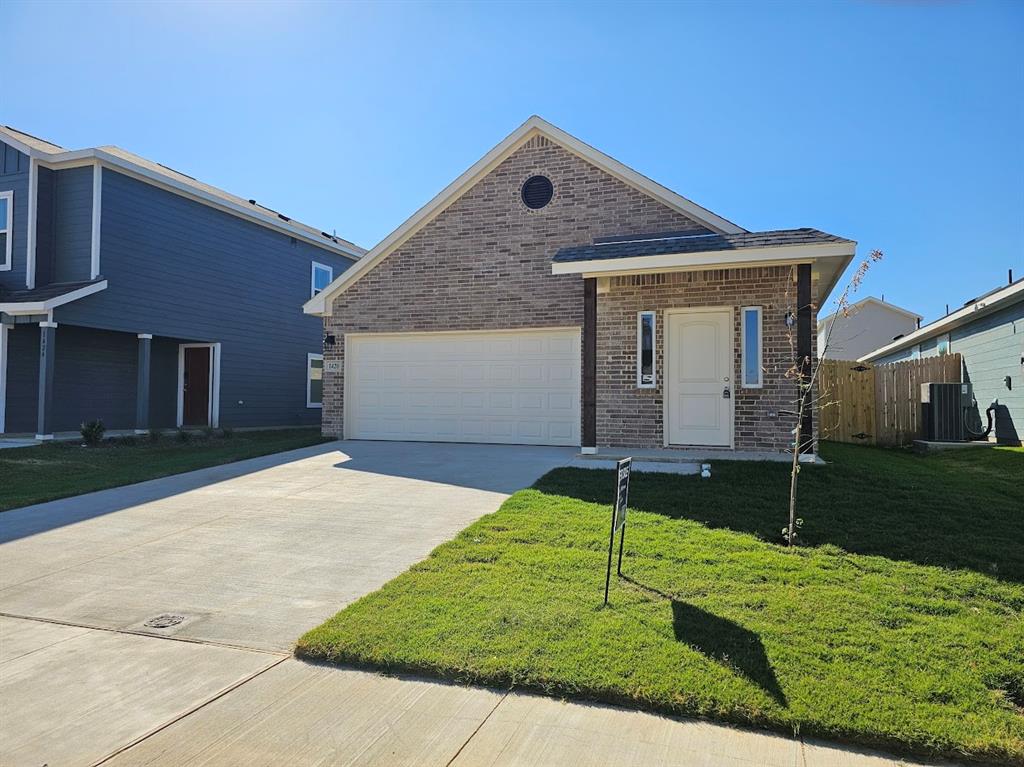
520,387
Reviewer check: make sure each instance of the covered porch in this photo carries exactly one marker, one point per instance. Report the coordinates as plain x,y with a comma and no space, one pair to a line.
696,342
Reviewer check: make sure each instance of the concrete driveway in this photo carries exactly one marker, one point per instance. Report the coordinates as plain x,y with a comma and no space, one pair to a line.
152,624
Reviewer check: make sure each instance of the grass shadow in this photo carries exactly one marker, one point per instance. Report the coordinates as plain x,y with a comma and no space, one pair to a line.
960,509
721,640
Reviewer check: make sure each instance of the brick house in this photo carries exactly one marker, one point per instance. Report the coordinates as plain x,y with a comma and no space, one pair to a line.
551,295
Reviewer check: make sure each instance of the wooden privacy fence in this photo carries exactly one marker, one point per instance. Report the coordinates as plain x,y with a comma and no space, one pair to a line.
878,404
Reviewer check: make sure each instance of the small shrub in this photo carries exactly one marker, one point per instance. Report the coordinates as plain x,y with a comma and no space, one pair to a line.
183,435
227,432
154,435
209,432
92,432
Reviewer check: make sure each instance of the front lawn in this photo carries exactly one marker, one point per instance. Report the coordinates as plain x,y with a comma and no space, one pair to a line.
58,469
899,622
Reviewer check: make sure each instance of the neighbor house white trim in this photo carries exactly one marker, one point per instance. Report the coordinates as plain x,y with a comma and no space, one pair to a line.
743,348
654,349
213,399
173,181
4,328
979,308
864,302
48,305
8,227
313,266
667,372
30,223
535,126
97,202
309,380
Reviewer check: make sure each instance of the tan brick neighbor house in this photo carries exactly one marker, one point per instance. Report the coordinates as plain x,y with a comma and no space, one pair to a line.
551,295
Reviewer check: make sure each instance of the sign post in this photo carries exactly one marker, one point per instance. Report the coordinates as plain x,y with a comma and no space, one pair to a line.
623,468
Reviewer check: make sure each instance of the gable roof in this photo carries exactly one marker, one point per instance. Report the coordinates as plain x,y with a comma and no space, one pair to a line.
534,126
871,301
968,313
52,155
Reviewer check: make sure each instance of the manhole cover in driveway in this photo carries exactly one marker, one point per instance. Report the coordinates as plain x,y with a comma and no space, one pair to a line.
164,621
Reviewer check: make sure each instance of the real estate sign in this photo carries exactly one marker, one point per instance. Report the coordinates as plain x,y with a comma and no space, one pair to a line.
622,469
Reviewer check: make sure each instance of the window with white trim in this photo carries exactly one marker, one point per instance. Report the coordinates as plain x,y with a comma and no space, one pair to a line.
751,369
320,276
314,380
645,338
6,229
942,345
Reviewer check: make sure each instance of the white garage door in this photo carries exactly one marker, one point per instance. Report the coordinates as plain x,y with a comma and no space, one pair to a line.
519,387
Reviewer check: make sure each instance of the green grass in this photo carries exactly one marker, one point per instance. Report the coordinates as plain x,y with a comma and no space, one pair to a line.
57,470
898,623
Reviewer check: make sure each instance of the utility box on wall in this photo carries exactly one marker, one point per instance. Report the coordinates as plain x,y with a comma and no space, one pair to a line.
942,410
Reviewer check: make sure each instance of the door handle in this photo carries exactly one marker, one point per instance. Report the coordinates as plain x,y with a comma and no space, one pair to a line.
726,394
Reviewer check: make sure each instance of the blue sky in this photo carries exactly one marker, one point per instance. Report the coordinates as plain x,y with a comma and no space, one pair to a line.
897,124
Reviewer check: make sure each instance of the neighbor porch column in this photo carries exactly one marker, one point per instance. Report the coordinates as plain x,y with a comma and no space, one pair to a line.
803,351
589,354
47,349
142,384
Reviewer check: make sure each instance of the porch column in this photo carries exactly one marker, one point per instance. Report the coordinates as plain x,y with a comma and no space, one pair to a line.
589,354
803,351
47,349
142,384
4,330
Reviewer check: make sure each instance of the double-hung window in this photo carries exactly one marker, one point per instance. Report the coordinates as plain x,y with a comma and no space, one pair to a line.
6,229
645,337
314,380
320,276
751,342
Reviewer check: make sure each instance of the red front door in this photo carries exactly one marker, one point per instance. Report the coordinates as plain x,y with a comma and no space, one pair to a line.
196,395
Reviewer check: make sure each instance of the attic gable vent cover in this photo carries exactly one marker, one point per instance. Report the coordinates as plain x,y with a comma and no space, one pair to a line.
537,192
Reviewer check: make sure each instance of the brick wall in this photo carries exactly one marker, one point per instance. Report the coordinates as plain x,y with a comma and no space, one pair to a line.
632,417
485,262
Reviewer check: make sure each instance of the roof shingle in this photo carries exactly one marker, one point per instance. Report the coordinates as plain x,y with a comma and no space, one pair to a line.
672,243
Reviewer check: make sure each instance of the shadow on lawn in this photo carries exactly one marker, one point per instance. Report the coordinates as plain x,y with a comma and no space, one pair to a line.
722,640
957,510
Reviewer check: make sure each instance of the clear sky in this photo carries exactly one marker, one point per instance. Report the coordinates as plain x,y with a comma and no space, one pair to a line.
897,124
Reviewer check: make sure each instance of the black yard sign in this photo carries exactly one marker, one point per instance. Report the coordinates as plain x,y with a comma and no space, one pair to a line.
623,468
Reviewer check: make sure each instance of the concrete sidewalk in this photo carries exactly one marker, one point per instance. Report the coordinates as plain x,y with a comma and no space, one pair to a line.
153,624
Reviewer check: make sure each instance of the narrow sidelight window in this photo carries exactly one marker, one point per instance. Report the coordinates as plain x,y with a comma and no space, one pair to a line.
6,229
645,350
314,380
751,344
320,277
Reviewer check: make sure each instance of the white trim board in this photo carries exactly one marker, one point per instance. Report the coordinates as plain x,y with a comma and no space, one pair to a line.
97,207
535,126
3,376
48,305
213,403
8,226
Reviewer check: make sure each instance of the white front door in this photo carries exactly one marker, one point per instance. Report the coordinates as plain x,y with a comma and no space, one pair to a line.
699,369
518,387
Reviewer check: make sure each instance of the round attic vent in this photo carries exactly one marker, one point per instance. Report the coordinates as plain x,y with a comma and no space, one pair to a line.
537,192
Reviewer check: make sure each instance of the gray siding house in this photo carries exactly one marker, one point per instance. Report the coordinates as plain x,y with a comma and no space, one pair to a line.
138,295
988,333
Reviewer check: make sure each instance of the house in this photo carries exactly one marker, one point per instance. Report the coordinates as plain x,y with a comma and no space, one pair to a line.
135,294
866,325
551,295
988,333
